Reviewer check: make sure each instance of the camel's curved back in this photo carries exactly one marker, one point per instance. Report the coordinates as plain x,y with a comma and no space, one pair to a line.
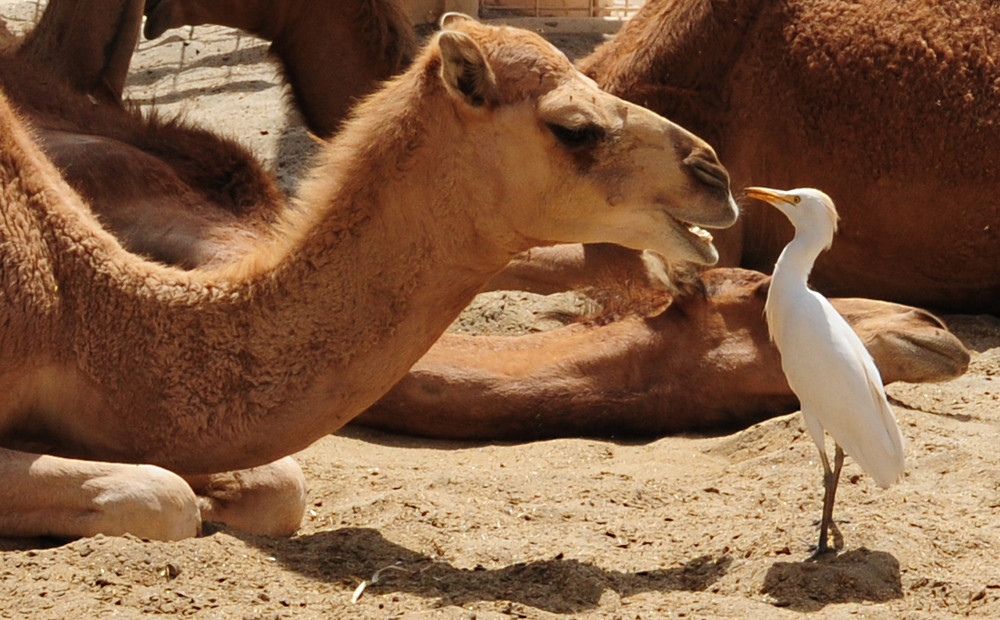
890,107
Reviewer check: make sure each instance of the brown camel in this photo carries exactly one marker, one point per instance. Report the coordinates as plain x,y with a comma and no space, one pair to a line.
108,356
606,270
889,107
898,124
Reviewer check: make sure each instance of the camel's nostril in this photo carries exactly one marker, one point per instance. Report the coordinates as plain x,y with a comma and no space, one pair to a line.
708,171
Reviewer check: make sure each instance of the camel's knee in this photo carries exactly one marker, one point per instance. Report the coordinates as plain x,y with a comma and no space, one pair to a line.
914,346
143,500
923,355
268,500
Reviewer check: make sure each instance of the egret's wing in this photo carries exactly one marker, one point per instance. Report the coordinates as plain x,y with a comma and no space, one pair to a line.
839,387
861,420
891,458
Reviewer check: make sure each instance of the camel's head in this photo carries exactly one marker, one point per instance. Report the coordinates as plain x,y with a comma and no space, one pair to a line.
578,164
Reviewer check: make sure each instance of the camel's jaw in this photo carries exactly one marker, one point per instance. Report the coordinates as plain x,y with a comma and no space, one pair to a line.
690,242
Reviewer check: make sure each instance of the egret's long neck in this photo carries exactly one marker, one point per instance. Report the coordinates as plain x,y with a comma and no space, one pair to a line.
797,259
789,282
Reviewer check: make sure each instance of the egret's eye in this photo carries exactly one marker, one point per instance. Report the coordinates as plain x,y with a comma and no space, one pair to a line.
577,137
796,199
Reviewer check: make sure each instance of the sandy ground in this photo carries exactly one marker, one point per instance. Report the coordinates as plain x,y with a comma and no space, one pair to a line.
698,527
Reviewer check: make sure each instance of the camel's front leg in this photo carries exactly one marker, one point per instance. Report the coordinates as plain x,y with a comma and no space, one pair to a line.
44,495
268,500
89,42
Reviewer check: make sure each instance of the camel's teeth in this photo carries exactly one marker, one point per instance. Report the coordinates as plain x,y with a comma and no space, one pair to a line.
701,233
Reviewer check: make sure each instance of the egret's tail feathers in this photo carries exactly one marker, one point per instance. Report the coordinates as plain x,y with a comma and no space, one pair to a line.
882,452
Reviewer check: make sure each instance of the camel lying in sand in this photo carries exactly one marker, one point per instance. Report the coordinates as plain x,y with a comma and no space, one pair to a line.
898,124
108,356
888,106
674,354
675,381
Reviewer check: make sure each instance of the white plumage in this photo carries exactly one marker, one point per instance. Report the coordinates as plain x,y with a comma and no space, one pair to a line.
826,364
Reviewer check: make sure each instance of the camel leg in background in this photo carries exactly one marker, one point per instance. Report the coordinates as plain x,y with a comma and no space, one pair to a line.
332,53
89,42
706,363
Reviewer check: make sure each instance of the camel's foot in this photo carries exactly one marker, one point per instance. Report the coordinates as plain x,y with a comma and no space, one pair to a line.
268,500
45,495
908,344
143,500
66,498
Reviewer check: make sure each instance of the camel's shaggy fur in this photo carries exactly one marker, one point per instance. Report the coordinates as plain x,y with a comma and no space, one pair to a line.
889,106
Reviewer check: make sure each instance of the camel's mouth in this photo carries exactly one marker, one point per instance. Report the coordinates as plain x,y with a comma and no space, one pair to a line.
696,243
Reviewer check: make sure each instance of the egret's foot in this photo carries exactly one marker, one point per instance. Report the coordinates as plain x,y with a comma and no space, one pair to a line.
819,551
835,522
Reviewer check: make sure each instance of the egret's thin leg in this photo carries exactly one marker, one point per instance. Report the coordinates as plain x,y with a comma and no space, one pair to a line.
830,481
838,464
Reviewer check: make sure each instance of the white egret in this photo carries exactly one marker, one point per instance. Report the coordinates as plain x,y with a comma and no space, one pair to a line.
826,364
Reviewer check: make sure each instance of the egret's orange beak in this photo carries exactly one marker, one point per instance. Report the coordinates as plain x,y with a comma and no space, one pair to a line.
770,196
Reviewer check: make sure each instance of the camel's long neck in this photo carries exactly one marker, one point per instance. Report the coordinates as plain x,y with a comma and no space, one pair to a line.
231,375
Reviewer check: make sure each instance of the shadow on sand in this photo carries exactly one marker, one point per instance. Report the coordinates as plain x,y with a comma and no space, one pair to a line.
857,576
556,585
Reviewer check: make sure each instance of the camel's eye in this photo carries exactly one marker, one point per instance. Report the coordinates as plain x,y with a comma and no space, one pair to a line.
577,137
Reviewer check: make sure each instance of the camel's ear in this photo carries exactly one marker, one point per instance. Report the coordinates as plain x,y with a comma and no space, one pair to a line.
451,18
464,69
